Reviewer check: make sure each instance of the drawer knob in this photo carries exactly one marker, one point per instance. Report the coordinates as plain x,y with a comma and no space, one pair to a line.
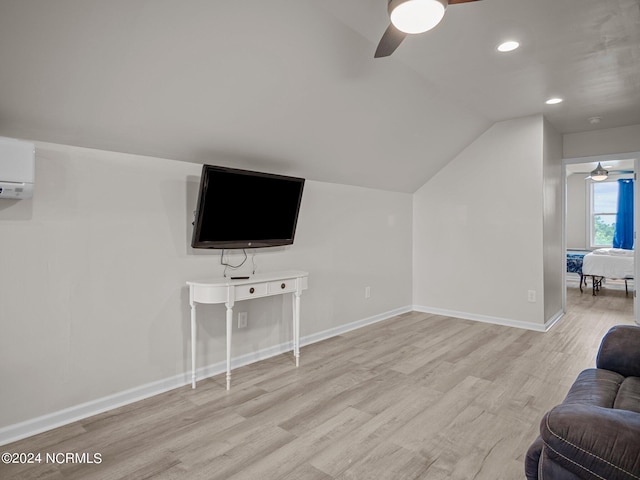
252,290
283,286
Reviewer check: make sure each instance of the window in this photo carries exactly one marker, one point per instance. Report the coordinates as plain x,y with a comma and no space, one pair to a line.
604,207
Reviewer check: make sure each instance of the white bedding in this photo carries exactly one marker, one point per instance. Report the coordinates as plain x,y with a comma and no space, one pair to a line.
609,263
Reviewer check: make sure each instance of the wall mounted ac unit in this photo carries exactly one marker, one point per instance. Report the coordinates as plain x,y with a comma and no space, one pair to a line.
17,168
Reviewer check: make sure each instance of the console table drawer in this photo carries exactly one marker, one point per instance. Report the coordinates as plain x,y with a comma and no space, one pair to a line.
250,291
282,286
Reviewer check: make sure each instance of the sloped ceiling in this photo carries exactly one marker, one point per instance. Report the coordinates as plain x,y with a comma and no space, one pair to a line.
292,86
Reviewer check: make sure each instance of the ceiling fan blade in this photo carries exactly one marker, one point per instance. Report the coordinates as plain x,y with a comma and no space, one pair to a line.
453,2
390,40
611,172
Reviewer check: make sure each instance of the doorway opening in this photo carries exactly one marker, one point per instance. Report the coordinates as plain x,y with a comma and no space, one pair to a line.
590,225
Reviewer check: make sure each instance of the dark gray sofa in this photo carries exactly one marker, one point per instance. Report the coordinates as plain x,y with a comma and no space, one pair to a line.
595,432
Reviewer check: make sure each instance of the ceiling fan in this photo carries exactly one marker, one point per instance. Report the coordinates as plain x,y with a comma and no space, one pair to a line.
599,173
411,17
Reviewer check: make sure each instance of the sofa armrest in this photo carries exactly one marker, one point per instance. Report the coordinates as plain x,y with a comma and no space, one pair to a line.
593,442
620,351
532,459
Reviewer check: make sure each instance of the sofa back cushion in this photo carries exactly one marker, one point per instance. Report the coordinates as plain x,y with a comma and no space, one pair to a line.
619,350
595,387
629,395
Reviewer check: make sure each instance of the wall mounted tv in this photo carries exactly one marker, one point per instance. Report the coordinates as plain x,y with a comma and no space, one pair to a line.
245,209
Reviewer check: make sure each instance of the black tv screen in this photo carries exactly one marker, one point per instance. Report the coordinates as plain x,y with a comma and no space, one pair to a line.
245,209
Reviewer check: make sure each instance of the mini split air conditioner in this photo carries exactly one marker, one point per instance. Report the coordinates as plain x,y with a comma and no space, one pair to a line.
17,168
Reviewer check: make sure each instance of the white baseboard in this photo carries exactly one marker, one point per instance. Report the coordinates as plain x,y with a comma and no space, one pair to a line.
489,319
332,332
43,423
57,419
553,320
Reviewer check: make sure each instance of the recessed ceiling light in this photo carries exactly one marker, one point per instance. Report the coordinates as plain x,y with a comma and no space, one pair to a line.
553,101
595,120
509,46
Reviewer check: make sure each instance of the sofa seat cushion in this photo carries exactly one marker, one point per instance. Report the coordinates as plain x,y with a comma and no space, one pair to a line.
629,395
596,387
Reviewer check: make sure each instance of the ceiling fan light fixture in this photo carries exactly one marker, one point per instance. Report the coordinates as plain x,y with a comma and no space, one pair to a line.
416,16
599,174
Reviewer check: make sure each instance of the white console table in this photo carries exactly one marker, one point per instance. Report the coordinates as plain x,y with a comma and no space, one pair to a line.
228,291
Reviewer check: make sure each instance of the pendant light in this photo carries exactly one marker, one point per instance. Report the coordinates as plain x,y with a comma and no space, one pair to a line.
599,173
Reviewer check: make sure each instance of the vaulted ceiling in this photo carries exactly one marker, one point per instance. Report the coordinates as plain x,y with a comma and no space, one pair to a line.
292,86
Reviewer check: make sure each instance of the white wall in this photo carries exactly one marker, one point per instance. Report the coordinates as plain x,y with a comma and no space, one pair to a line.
602,142
576,224
478,229
92,292
553,247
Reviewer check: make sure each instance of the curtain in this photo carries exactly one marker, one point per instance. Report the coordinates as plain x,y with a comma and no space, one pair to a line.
623,235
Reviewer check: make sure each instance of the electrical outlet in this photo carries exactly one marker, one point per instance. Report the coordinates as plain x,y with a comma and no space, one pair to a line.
531,296
367,292
243,319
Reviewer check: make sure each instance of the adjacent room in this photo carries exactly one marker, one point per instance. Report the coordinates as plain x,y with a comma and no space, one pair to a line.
307,240
600,218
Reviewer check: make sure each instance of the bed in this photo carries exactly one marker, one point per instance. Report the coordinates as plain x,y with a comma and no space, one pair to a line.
574,264
609,263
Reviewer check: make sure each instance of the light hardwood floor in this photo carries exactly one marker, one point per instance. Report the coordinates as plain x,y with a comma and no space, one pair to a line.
418,396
